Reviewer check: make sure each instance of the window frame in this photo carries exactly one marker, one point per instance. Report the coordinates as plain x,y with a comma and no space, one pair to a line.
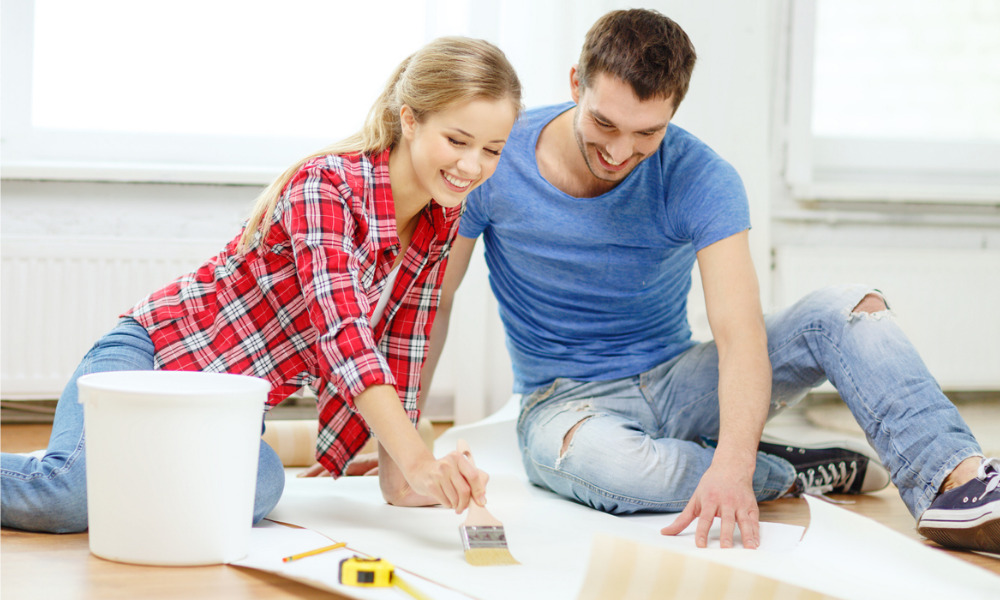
853,170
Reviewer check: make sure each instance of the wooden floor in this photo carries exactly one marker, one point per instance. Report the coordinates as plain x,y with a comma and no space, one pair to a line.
36,565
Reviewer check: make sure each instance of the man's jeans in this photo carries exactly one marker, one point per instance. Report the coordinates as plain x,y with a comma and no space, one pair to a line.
638,447
50,493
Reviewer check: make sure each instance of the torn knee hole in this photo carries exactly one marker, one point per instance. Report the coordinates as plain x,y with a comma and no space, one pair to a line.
569,436
871,303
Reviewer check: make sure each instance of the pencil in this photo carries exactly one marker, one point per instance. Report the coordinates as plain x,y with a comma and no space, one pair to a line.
312,552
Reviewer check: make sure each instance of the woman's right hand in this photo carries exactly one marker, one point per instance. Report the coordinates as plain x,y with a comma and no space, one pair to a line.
452,481
408,472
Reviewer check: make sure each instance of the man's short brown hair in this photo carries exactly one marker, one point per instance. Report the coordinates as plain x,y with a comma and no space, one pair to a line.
643,48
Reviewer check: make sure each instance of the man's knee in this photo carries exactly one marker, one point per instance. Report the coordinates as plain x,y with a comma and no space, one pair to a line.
569,435
871,303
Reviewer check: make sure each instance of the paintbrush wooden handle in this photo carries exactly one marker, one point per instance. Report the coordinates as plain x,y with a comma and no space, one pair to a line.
474,509
463,448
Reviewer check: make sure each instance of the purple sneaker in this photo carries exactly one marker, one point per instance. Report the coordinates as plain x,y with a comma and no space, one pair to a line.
967,517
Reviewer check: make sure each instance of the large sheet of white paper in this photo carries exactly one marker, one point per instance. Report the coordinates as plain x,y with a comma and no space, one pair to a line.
271,542
842,555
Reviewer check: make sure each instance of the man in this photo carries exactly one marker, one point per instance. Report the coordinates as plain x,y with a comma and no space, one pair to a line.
592,224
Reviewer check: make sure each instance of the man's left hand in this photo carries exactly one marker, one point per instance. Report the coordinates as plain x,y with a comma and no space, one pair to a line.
731,498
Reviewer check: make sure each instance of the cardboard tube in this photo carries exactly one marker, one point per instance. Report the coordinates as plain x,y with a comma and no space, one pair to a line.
293,440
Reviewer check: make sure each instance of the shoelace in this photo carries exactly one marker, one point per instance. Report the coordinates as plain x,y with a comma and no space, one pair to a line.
827,478
992,478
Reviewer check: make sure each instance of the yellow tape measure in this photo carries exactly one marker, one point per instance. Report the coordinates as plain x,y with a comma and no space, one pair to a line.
359,571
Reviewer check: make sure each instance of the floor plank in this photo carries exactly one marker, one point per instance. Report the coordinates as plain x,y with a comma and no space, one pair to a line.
34,565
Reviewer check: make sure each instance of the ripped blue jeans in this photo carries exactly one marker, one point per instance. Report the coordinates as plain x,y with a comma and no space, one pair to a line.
637,447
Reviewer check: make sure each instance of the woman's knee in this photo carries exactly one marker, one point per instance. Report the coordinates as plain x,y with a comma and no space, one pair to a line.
68,519
48,508
270,482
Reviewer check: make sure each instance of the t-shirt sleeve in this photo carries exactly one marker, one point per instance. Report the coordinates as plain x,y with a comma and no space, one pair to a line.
713,204
474,218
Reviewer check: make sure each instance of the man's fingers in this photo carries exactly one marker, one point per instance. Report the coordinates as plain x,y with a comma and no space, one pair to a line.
704,526
680,523
726,532
749,529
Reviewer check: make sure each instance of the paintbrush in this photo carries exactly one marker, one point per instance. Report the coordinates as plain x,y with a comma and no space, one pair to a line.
482,534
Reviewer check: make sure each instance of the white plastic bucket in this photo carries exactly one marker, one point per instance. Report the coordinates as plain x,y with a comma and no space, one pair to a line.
171,464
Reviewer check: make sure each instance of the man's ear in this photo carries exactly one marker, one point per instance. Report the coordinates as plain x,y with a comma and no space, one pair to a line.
574,83
408,121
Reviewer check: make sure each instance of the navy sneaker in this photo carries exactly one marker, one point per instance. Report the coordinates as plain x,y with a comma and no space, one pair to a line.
967,517
842,467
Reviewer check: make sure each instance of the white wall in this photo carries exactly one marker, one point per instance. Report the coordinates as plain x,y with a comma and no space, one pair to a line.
734,104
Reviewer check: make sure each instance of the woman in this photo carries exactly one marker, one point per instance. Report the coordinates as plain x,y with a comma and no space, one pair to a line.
333,283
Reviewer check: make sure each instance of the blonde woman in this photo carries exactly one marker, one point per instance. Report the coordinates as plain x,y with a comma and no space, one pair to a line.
332,283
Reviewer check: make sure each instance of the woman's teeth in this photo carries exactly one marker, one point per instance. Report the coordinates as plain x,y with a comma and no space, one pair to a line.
459,183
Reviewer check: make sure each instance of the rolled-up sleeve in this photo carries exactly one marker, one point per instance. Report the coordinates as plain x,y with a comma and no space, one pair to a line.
327,227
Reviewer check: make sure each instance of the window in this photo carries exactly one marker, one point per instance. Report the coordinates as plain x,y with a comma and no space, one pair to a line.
196,91
895,100
232,91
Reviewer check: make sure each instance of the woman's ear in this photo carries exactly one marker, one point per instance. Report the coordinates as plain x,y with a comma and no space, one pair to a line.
408,121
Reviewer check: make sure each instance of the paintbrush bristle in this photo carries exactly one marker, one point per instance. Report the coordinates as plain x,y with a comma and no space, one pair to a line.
484,539
482,534
488,557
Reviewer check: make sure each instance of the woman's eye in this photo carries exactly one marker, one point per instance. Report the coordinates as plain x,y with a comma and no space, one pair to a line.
493,152
455,142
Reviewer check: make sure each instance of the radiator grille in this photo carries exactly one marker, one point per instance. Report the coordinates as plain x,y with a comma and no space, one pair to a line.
60,296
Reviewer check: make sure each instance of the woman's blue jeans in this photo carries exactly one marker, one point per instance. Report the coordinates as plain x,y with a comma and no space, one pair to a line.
50,493
638,444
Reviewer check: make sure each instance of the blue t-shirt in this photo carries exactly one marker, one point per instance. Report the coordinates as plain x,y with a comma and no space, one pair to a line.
596,288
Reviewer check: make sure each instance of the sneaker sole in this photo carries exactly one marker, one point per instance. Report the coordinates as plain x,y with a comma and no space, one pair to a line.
876,476
984,537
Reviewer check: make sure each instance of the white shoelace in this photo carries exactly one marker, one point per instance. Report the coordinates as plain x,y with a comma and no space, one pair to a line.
826,478
992,479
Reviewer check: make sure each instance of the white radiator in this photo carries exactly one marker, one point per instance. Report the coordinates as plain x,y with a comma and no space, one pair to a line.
60,295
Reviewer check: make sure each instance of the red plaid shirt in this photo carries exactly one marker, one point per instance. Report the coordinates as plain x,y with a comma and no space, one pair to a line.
295,310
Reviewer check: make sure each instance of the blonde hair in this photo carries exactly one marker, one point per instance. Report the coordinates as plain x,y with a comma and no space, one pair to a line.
447,71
